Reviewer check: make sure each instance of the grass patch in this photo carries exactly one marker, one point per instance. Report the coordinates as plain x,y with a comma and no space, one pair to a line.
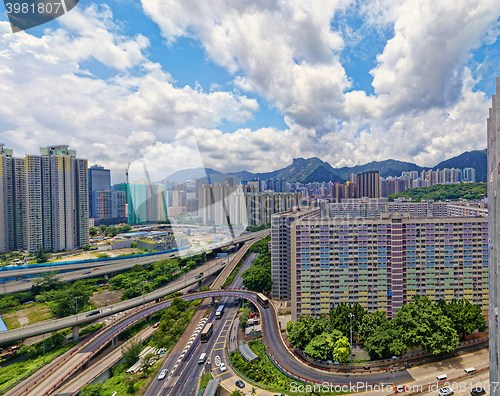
234,272
204,380
265,374
11,373
34,313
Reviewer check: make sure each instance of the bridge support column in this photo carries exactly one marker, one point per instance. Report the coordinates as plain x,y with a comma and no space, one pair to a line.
148,318
213,300
76,331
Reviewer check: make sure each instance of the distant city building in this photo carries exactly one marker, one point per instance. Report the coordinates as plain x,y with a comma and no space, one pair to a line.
109,207
43,200
174,211
99,180
368,184
469,175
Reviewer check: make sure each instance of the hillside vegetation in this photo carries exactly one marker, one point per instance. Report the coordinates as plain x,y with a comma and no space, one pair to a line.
441,192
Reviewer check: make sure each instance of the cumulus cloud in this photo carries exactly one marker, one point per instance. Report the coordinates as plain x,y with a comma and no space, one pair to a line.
46,98
424,108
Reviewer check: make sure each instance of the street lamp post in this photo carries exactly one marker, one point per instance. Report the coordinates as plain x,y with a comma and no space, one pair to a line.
350,320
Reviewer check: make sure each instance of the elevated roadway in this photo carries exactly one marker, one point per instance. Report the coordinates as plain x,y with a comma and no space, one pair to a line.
272,338
94,268
76,320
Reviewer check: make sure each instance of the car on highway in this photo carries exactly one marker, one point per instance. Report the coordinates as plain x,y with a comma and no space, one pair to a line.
446,391
400,388
88,272
240,384
222,367
156,325
477,391
163,374
92,313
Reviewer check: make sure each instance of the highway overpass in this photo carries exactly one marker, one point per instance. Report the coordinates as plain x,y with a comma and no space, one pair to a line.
76,320
95,268
272,338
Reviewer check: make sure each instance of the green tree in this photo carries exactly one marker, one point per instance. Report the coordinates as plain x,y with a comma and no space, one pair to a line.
131,351
93,231
147,362
342,350
237,392
466,317
64,300
102,228
46,282
92,390
41,255
322,346
377,334
305,329
420,322
339,317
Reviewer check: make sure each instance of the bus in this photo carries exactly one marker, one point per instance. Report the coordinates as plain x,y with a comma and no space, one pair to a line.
219,312
207,332
262,300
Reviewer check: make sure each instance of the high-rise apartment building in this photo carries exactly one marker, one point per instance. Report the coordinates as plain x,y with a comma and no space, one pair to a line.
469,175
109,207
7,198
99,180
49,200
381,262
281,249
220,204
368,183
494,231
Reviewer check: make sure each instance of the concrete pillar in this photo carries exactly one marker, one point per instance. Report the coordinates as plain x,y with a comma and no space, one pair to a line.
213,300
76,331
148,318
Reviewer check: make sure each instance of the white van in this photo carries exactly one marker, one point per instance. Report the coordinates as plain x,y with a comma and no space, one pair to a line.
202,358
469,370
442,377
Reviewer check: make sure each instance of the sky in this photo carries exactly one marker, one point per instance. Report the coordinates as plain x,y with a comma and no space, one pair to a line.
256,83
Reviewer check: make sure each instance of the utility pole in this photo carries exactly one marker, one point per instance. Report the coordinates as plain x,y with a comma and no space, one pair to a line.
350,320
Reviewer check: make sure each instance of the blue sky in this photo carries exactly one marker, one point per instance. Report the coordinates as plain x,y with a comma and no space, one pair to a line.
256,83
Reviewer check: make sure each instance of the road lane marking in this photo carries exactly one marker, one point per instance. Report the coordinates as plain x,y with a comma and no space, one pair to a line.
218,375
227,379
218,349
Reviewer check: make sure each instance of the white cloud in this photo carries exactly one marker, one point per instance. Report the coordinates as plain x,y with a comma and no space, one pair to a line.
45,98
425,106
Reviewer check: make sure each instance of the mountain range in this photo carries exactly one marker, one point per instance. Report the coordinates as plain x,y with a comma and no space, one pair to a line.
315,170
